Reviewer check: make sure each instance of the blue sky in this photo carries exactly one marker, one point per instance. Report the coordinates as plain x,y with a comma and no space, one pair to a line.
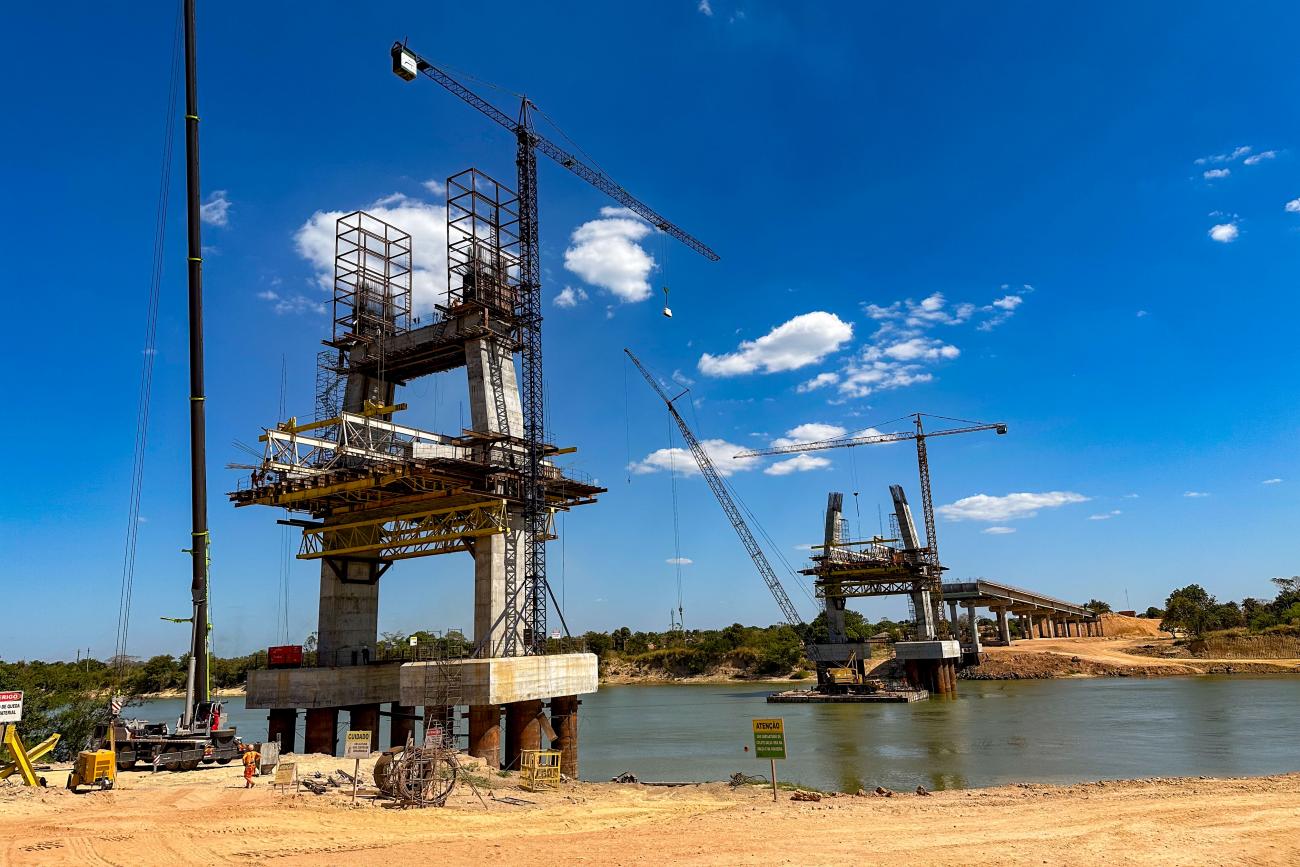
1075,221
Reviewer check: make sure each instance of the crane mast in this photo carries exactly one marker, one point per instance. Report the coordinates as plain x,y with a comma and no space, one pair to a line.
528,311
710,473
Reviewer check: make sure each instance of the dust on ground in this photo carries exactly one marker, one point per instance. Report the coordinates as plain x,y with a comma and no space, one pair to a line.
207,817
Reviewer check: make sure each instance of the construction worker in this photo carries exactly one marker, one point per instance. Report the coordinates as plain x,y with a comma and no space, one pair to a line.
251,758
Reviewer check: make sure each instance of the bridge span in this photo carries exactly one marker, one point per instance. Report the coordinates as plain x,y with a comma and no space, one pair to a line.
1038,615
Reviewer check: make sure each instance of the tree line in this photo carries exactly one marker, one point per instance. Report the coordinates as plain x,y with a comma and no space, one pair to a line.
1193,610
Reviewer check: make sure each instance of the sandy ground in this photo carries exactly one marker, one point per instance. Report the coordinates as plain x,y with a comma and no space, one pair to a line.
207,817
1100,657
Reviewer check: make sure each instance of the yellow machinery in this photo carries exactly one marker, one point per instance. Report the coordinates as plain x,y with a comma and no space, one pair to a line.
846,676
93,768
23,757
96,767
539,769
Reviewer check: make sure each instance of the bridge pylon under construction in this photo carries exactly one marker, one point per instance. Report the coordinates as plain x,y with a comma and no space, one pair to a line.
368,491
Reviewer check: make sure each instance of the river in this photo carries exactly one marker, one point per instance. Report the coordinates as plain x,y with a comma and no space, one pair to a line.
994,732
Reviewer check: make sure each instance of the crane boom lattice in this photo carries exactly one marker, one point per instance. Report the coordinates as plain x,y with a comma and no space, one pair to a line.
719,488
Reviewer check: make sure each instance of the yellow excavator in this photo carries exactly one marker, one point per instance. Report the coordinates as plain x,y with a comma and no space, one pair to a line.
849,678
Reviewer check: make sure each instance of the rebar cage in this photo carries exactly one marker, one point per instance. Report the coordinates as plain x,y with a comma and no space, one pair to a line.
482,243
372,279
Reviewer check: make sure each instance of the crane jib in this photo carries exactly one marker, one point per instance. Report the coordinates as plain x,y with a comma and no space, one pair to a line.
595,177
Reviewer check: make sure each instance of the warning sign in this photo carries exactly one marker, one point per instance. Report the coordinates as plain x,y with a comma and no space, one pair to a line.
357,745
11,707
286,774
769,738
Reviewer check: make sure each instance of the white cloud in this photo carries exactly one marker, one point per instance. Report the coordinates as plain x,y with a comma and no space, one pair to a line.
821,380
862,377
1195,494
1224,233
570,297
682,379
705,8
295,303
1105,516
998,531
1236,154
435,186
913,349
679,561
680,460
425,222
1011,507
809,433
798,464
1293,206
1215,174
1258,158
803,340
216,210
901,348
605,253
1271,482
1142,313
1132,496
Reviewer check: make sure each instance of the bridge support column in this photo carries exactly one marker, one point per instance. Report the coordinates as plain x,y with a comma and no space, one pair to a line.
401,724
564,719
1027,625
953,620
972,618
485,734
322,734
1004,627
282,726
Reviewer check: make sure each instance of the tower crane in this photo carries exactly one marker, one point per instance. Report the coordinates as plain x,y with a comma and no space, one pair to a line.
920,434
407,65
711,475
929,557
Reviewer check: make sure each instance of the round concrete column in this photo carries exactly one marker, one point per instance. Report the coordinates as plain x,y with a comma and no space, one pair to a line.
282,726
523,730
322,735
564,719
485,734
401,724
365,717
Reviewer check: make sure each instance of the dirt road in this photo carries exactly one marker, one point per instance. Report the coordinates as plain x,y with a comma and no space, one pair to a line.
1110,656
206,817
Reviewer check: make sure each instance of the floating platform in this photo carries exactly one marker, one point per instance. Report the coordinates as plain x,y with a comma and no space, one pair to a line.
807,696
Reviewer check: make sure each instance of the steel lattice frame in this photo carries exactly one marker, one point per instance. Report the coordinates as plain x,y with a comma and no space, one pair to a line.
399,537
529,317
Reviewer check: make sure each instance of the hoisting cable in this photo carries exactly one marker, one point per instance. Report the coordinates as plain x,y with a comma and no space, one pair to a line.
286,542
146,369
677,532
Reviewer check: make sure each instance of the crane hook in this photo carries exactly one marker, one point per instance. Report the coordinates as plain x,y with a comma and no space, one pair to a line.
667,310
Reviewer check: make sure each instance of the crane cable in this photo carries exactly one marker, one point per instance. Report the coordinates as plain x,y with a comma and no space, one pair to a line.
146,371
677,533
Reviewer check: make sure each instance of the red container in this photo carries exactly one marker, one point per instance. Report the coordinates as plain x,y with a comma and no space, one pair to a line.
284,656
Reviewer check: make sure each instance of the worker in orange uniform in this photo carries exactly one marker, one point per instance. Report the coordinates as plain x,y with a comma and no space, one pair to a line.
251,758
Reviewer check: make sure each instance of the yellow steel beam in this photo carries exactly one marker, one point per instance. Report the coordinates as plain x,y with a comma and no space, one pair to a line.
403,533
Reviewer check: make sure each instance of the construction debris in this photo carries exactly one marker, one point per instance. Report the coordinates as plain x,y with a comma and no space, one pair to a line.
801,795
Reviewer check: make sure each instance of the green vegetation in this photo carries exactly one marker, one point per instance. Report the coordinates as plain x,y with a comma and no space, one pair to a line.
772,651
1194,611
1096,606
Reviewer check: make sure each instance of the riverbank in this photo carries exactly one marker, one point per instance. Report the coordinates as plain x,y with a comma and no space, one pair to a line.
1041,658
206,817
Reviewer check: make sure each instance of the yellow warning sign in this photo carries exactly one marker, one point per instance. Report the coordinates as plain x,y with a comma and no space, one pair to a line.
769,738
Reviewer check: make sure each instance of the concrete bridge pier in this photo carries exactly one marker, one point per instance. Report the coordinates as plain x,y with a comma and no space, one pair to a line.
401,724
1004,627
322,734
564,719
485,734
282,727
523,730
